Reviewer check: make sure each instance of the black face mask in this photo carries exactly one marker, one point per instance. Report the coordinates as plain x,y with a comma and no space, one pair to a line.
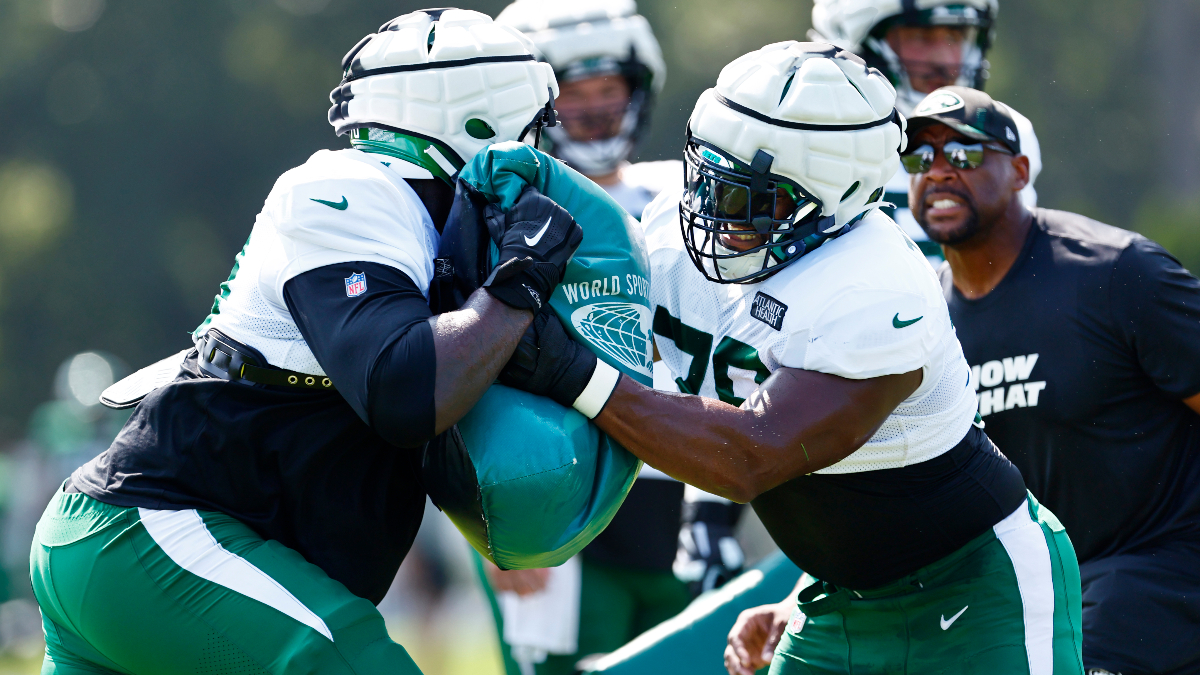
742,224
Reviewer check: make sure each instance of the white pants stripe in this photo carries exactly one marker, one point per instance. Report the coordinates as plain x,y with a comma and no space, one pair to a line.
183,536
1025,544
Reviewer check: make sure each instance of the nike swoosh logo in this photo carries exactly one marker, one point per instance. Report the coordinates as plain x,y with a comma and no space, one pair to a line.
340,206
897,323
538,237
946,624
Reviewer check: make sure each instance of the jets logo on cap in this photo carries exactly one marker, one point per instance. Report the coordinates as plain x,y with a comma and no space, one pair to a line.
939,102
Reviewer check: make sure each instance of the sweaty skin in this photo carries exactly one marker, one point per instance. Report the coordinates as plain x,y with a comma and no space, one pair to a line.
472,344
976,214
796,422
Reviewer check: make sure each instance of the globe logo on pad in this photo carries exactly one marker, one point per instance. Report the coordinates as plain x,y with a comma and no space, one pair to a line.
619,329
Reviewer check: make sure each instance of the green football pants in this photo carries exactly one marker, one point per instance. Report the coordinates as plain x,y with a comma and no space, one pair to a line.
1007,602
616,604
145,592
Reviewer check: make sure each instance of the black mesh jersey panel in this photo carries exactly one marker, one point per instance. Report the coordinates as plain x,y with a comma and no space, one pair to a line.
645,532
1083,354
297,466
862,530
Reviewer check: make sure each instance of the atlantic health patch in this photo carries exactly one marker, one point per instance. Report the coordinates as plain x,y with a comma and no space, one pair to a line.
768,310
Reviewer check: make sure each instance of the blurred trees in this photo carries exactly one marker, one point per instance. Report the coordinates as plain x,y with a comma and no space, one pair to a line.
139,138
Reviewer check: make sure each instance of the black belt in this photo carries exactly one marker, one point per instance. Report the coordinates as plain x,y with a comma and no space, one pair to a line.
228,359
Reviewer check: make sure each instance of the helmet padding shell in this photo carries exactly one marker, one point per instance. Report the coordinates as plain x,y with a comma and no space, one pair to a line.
449,76
827,119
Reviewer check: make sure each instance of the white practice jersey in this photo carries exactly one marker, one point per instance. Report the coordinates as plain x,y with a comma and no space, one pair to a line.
339,206
640,183
864,305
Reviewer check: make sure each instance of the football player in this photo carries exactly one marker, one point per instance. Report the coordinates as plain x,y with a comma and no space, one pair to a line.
255,507
610,69
945,42
826,387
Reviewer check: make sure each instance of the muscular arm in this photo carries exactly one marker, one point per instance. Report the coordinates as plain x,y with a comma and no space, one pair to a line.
796,422
472,345
406,373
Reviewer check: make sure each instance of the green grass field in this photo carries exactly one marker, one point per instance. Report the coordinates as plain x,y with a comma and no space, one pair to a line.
435,654
25,660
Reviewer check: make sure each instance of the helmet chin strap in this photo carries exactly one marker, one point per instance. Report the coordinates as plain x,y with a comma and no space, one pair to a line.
546,117
760,166
854,216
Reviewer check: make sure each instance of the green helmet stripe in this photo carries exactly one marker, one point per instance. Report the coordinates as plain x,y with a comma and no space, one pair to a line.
435,157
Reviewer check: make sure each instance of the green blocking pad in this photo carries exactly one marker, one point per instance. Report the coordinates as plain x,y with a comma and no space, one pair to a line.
694,641
604,298
528,482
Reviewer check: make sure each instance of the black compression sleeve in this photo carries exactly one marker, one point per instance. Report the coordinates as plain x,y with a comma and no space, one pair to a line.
377,346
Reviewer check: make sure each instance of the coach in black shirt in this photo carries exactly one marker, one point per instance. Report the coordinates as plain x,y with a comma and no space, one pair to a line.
1084,342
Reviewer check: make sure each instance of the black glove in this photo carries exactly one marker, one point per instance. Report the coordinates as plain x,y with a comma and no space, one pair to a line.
547,362
536,238
708,554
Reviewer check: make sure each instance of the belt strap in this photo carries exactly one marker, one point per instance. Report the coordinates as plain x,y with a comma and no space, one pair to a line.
228,359
822,597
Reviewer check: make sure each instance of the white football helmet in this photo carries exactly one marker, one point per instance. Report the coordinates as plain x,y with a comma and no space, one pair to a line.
436,86
1031,148
587,38
860,26
792,146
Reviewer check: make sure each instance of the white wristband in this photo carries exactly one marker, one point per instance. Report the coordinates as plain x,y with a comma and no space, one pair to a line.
598,390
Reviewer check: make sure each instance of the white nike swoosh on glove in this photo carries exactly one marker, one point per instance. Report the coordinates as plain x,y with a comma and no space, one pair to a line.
538,237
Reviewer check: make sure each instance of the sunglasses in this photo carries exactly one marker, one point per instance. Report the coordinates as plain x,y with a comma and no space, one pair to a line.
959,155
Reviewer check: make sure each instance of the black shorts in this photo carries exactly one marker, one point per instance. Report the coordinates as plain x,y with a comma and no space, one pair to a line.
1141,611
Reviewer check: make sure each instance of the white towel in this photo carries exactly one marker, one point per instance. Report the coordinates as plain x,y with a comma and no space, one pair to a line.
546,622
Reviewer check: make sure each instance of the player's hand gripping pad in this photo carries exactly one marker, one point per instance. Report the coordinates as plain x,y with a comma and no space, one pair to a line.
526,480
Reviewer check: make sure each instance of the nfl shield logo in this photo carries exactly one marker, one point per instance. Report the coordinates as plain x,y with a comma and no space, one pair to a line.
796,623
356,285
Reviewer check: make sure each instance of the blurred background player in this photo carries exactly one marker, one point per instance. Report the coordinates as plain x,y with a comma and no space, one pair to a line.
1085,343
610,71
944,42
645,567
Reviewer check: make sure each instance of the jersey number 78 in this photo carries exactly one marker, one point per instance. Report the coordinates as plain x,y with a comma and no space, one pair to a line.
697,343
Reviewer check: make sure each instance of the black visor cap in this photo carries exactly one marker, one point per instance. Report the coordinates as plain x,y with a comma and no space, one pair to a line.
970,112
